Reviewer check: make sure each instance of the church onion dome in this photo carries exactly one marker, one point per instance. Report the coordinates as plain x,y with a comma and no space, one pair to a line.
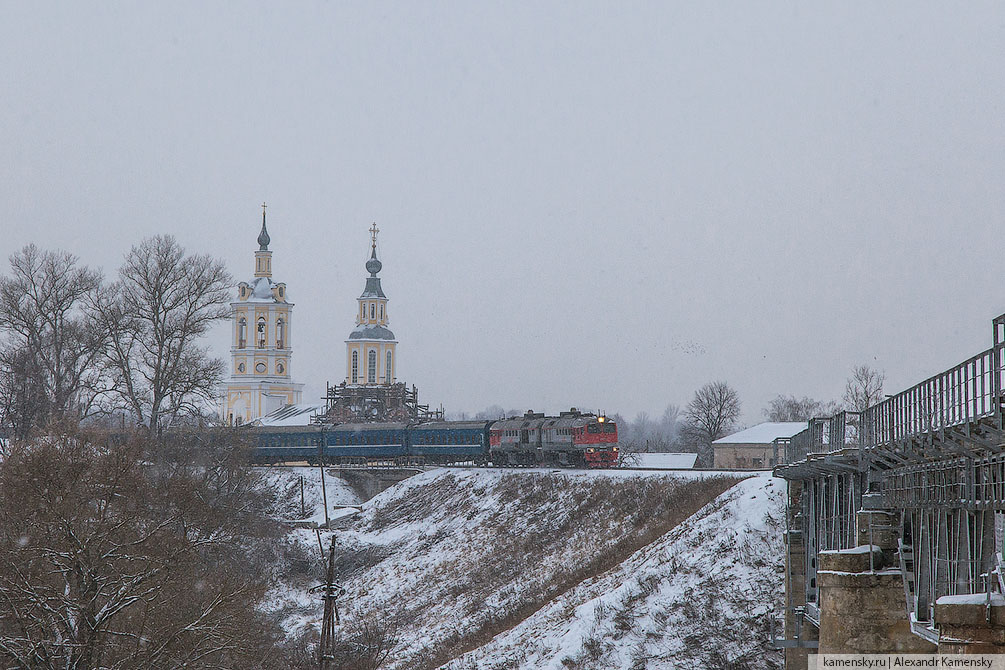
371,332
373,265
263,237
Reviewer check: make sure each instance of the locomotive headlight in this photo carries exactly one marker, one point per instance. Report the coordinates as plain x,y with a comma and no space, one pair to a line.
602,419
615,448
589,451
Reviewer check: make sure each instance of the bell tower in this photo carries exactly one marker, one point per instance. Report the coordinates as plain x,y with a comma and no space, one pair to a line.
370,349
261,348
372,390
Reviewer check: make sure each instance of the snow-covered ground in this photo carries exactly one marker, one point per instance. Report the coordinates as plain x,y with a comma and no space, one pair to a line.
482,568
286,482
659,461
699,597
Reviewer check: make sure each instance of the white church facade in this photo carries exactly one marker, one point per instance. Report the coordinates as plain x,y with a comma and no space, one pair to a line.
261,350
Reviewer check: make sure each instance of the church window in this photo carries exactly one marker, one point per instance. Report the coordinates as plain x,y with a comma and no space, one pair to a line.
371,372
372,310
261,332
387,369
242,333
280,332
240,367
381,310
280,368
355,367
260,368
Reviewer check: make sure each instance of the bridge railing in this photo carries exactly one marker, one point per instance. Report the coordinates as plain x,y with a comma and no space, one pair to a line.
798,447
842,430
962,394
822,435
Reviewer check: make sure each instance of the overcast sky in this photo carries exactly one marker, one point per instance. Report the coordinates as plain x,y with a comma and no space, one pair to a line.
600,204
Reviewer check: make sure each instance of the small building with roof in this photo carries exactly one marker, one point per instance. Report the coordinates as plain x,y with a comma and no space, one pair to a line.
754,448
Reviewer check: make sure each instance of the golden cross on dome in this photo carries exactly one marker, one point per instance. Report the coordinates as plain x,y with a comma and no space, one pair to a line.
373,234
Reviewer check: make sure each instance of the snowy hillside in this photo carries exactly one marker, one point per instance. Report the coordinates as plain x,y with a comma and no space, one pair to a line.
535,569
287,482
700,597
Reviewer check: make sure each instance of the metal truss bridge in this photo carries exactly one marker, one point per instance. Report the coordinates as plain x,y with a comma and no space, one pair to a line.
934,455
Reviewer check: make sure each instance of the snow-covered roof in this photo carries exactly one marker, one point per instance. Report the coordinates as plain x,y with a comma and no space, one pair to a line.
290,415
370,332
261,290
764,433
664,461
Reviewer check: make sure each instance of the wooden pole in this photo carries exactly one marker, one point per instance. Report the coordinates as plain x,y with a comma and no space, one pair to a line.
321,464
325,655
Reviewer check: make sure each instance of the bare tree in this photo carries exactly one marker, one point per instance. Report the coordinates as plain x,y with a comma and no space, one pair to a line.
669,428
645,434
864,388
642,426
47,358
791,408
112,557
711,414
24,402
714,409
155,313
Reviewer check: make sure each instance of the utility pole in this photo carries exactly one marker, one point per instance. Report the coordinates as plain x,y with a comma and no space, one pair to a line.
321,464
330,593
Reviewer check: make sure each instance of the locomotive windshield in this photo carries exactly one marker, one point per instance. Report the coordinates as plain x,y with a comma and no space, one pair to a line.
601,428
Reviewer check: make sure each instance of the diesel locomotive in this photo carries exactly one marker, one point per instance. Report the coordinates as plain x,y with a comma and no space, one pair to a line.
572,439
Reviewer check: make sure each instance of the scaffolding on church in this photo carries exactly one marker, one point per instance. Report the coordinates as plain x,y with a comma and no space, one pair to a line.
353,403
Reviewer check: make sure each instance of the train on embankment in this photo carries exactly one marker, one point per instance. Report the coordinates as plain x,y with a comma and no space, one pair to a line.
572,439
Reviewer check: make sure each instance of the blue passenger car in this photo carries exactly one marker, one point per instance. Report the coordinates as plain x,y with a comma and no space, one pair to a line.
432,442
450,441
365,440
286,445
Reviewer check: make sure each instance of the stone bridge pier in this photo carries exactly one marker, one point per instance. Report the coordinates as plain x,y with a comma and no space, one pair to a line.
862,602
